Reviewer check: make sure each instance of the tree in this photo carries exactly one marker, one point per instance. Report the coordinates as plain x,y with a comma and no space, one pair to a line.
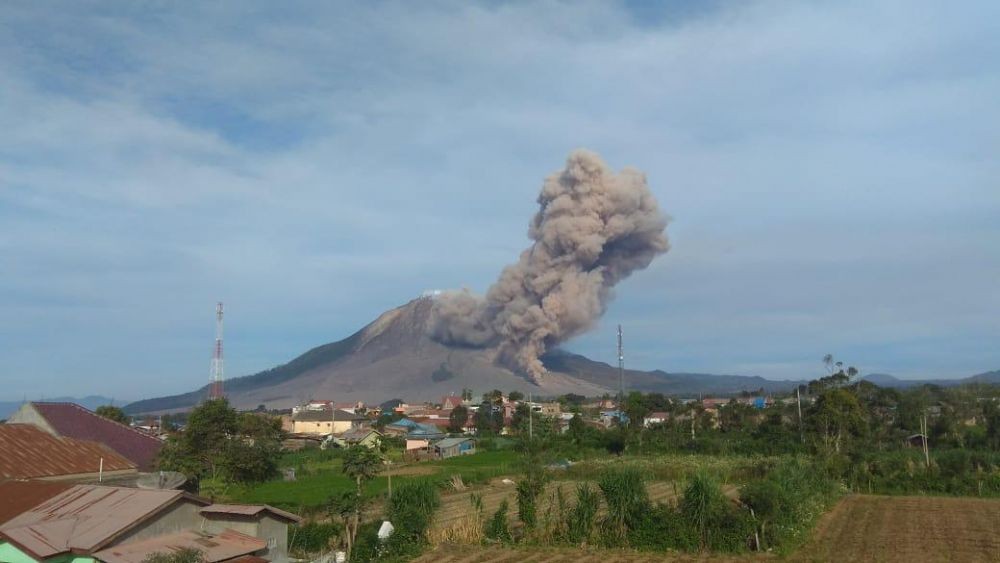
217,442
836,415
457,419
113,413
515,396
361,464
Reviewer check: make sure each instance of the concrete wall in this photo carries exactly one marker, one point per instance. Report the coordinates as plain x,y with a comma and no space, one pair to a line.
28,415
183,515
321,426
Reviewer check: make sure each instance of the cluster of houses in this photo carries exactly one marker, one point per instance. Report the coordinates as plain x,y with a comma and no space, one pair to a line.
72,491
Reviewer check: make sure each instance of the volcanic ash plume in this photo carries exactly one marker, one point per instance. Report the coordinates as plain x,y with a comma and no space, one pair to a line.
593,228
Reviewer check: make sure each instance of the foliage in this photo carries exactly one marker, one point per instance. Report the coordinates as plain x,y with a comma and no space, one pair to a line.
788,502
217,442
498,529
185,555
312,537
583,515
114,413
626,497
410,509
457,419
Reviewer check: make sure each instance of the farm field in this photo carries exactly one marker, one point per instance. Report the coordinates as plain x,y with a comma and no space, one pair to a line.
319,476
456,507
879,528
859,528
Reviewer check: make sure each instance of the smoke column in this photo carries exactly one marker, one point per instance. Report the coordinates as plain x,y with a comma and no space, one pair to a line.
593,229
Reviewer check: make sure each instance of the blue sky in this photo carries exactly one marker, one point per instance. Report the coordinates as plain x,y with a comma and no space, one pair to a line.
831,169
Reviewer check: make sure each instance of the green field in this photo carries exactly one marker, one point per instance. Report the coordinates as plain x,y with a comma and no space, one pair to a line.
319,477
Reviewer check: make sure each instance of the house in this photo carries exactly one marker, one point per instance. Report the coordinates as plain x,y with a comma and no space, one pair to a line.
450,402
87,523
658,417
359,437
19,496
69,420
259,521
28,452
325,422
451,447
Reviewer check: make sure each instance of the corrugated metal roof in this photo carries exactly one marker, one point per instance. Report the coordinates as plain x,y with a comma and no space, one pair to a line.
28,452
450,442
73,421
18,496
249,510
213,547
85,517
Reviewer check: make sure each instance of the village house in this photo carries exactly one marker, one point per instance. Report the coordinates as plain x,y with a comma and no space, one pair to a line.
88,523
69,420
28,452
323,422
451,447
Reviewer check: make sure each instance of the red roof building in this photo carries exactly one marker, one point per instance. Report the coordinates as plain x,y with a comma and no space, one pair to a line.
70,420
28,452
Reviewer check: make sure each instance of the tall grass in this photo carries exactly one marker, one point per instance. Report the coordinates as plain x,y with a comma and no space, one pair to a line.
626,497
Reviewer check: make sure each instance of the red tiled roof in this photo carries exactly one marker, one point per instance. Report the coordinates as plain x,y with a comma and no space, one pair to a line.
19,496
73,421
28,452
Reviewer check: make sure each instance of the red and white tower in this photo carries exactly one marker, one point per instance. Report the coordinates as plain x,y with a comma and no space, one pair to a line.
216,377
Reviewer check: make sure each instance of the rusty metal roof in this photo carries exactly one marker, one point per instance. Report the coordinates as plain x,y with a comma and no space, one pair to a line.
28,452
19,496
73,421
249,510
213,547
85,517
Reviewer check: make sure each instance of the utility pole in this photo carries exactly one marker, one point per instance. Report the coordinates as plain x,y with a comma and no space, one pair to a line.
798,402
923,432
531,418
621,370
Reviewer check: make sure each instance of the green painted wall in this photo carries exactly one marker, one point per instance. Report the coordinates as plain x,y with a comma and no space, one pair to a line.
11,554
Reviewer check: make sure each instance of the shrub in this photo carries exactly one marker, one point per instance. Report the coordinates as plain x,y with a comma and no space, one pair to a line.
718,524
580,524
497,529
410,509
312,537
627,500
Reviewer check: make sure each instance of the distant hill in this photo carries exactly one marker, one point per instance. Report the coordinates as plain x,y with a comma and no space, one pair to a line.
91,402
394,357
886,380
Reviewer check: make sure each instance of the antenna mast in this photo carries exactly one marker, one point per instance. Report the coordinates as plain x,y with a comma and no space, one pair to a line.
621,367
216,377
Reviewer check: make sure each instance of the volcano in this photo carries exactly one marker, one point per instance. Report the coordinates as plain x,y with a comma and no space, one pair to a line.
395,357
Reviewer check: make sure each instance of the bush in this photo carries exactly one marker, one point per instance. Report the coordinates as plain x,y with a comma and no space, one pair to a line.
497,529
312,537
580,524
410,509
788,502
627,500
718,524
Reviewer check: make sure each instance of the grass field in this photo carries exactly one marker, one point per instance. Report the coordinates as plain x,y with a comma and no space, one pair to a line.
320,476
860,528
